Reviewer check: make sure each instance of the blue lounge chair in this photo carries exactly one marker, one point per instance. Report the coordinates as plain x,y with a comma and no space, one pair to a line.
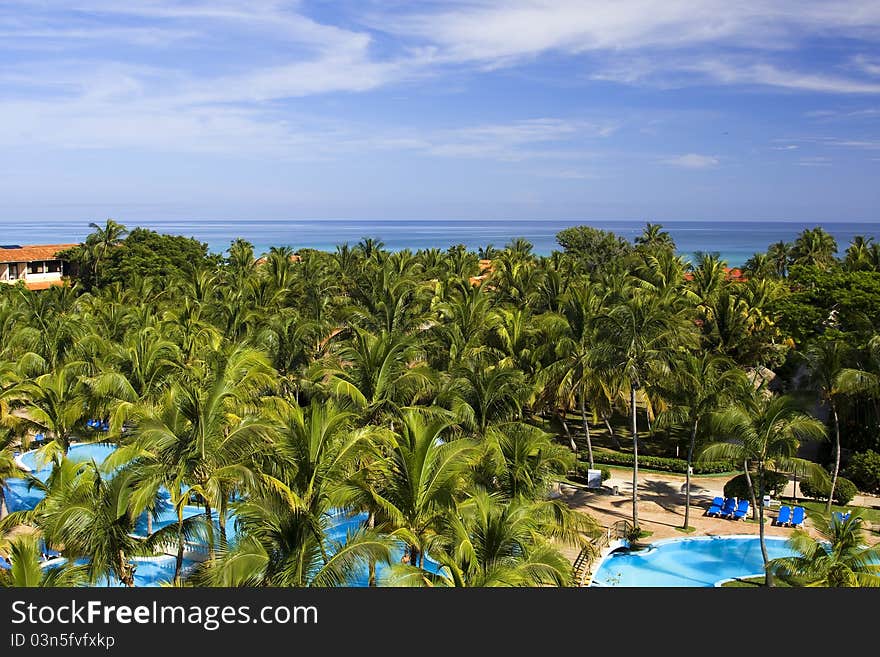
728,509
797,516
784,516
841,517
715,507
742,510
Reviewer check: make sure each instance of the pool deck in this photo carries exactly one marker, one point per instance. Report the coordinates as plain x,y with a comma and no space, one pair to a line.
661,507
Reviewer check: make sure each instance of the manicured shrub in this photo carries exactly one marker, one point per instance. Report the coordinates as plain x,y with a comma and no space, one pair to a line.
844,491
864,471
666,464
738,487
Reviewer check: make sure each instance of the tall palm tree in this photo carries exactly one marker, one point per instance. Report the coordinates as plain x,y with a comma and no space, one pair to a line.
764,432
825,360
636,339
858,254
780,254
839,558
102,240
208,427
704,384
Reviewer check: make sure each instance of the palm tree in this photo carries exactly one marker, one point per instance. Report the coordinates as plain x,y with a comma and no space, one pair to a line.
490,543
102,240
704,384
859,254
56,403
814,247
378,373
764,432
425,474
526,461
575,373
636,339
839,558
207,428
27,571
653,237
825,360
780,254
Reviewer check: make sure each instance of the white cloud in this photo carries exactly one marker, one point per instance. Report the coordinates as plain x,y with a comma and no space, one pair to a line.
693,161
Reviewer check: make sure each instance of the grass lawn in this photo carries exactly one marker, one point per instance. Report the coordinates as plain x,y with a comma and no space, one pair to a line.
752,582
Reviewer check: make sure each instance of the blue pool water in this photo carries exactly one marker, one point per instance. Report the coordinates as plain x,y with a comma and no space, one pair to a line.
152,571
78,452
699,561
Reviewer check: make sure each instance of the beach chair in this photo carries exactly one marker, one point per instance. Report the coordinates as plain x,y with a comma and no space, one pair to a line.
797,516
742,510
840,516
784,516
715,507
728,509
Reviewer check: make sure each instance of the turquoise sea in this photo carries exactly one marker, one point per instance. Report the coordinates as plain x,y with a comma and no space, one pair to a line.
735,241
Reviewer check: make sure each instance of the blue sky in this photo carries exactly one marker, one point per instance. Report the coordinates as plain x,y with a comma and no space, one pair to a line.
516,109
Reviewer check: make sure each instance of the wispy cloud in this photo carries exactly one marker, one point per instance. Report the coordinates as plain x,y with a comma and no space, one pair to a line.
693,161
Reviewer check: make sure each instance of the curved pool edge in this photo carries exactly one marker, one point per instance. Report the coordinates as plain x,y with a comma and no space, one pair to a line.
19,460
722,582
607,552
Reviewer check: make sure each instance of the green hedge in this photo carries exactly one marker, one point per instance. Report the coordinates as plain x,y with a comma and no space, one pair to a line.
774,483
864,471
666,464
583,466
844,491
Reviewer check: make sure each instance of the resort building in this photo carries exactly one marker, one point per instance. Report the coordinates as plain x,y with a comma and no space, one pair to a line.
37,265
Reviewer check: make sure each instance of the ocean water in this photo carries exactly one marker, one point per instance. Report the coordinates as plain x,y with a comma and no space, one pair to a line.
735,241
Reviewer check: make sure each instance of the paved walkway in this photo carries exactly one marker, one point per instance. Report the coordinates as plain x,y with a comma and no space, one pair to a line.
662,501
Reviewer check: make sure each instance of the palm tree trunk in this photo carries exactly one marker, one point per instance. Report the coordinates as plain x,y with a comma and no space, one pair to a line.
149,522
371,523
210,530
3,510
178,563
611,431
768,576
751,490
221,519
126,573
565,428
586,427
687,476
635,434
836,458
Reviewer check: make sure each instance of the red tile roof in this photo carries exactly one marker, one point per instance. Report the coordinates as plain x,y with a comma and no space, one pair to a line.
32,252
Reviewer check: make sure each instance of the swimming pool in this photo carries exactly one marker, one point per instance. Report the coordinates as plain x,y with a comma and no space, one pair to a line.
699,561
